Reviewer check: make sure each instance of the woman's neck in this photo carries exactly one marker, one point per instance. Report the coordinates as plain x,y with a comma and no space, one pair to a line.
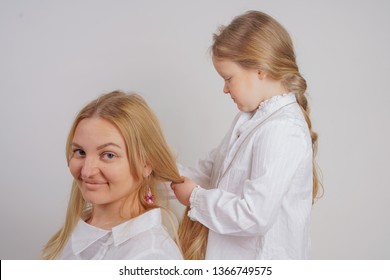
104,219
108,216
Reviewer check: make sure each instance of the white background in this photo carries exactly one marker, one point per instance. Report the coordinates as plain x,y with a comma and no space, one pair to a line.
55,56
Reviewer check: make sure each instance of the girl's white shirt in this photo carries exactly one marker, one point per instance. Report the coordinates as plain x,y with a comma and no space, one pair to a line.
141,238
255,189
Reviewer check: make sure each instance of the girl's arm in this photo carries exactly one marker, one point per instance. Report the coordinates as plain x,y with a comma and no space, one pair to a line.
281,161
202,172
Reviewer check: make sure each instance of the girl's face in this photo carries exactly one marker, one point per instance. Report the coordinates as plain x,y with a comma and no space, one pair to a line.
99,163
243,85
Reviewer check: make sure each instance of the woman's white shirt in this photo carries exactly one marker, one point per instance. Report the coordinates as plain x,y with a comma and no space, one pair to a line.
256,187
141,238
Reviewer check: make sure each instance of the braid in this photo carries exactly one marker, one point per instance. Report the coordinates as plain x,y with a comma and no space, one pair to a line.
254,40
296,83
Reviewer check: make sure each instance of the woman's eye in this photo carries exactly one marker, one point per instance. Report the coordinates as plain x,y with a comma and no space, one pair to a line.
78,153
108,155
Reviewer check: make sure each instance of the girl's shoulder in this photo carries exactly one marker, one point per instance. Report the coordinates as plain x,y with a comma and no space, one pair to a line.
291,115
288,122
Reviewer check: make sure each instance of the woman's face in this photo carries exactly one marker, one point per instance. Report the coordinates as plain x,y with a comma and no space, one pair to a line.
99,163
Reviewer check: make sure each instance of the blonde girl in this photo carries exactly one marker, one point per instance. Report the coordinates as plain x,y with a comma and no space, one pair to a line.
116,153
251,198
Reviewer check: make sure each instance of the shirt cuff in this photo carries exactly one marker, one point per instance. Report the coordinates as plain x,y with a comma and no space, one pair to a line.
194,202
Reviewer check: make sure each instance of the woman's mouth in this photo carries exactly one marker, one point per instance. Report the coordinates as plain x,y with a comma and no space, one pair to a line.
93,184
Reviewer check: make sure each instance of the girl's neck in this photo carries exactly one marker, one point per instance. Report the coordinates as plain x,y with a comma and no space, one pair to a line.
274,88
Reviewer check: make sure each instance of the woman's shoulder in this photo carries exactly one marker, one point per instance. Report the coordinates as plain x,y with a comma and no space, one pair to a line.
154,242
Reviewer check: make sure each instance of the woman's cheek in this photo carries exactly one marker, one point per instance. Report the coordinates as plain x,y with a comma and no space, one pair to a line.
74,168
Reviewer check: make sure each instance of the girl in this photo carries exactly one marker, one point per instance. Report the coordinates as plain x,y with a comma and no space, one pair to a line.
252,197
116,153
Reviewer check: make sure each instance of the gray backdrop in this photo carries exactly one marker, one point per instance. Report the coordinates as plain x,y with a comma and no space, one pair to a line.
57,55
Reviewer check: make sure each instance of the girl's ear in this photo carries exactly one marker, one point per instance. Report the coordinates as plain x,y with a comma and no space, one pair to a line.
147,170
262,74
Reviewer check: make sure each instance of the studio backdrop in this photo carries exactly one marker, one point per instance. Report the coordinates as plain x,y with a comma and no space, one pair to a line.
55,56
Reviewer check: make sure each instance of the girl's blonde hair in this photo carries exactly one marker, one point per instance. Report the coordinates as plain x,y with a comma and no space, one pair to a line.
254,40
145,144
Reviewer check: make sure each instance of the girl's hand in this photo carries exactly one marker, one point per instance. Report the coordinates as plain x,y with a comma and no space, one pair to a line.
183,190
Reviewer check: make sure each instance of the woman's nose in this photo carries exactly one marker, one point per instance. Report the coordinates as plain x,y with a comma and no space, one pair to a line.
89,168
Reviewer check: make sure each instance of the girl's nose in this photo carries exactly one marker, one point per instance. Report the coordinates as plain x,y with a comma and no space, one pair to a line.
89,168
225,88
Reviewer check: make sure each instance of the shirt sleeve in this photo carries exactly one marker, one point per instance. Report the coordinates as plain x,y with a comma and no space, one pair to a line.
278,151
201,174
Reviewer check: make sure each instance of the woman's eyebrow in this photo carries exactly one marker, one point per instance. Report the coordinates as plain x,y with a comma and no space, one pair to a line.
108,144
99,147
76,145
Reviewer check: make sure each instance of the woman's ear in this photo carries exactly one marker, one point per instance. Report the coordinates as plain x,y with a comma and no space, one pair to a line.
147,170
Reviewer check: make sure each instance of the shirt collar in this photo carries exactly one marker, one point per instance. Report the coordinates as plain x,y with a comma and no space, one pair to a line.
274,103
265,109
84,235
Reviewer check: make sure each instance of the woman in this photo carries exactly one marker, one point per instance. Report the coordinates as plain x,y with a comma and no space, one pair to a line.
116,153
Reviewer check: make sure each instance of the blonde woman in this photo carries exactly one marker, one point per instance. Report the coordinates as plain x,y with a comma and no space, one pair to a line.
252,197
116,153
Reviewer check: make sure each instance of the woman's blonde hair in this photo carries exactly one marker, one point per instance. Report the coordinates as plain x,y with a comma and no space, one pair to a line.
145,143
254,40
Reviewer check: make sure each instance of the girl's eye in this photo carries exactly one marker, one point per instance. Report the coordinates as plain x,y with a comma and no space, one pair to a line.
108,155
78,153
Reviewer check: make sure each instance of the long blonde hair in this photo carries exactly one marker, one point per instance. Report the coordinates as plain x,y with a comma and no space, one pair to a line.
145,143
254,40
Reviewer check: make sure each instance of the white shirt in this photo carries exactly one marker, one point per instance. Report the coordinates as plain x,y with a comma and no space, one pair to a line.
141,238
256,187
